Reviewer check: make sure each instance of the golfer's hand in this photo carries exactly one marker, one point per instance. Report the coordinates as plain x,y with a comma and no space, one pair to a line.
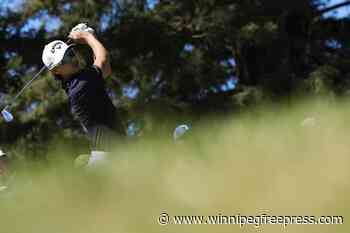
83,27
80,36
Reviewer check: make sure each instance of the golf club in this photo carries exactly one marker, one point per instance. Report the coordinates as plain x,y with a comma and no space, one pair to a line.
6,114
8,117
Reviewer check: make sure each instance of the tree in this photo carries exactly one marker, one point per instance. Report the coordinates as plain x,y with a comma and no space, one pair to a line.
187,55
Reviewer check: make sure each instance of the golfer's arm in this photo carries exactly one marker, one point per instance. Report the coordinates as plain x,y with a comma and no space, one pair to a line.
101,55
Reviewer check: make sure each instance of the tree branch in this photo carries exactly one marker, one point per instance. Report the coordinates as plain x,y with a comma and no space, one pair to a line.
331,8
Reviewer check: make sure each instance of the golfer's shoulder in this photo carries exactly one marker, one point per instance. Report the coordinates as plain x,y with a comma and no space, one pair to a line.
90,75
93,72
89,78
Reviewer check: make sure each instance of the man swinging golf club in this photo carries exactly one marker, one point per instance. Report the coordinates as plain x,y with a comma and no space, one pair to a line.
84,86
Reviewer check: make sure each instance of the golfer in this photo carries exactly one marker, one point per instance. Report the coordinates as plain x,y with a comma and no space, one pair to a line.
85,88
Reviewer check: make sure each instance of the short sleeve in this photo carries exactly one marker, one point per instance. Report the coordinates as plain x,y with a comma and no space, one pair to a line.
94,77
97,71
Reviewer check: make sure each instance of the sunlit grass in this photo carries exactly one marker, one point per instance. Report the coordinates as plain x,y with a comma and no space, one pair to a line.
265,161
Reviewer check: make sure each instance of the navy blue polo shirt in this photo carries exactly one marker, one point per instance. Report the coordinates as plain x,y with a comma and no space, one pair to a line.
89,101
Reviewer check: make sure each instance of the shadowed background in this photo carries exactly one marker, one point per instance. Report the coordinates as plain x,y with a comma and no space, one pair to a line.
186,59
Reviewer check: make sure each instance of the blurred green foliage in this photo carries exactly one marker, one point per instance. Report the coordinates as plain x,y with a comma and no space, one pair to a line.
261,162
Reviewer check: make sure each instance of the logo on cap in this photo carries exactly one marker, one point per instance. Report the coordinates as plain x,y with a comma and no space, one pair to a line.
56,46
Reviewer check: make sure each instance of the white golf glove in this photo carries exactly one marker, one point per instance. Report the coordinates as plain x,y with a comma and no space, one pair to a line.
83,27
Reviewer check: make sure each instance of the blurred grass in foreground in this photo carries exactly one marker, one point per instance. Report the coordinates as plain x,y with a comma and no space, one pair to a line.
264,161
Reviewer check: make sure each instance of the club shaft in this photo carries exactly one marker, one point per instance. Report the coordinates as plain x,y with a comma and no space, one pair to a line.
35,77
29,83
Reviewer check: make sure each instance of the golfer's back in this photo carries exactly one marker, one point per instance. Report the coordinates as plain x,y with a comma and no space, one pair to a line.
89,101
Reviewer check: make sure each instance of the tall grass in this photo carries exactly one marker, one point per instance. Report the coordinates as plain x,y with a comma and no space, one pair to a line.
265,161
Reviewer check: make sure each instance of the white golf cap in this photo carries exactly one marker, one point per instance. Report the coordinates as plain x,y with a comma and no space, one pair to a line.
53,53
